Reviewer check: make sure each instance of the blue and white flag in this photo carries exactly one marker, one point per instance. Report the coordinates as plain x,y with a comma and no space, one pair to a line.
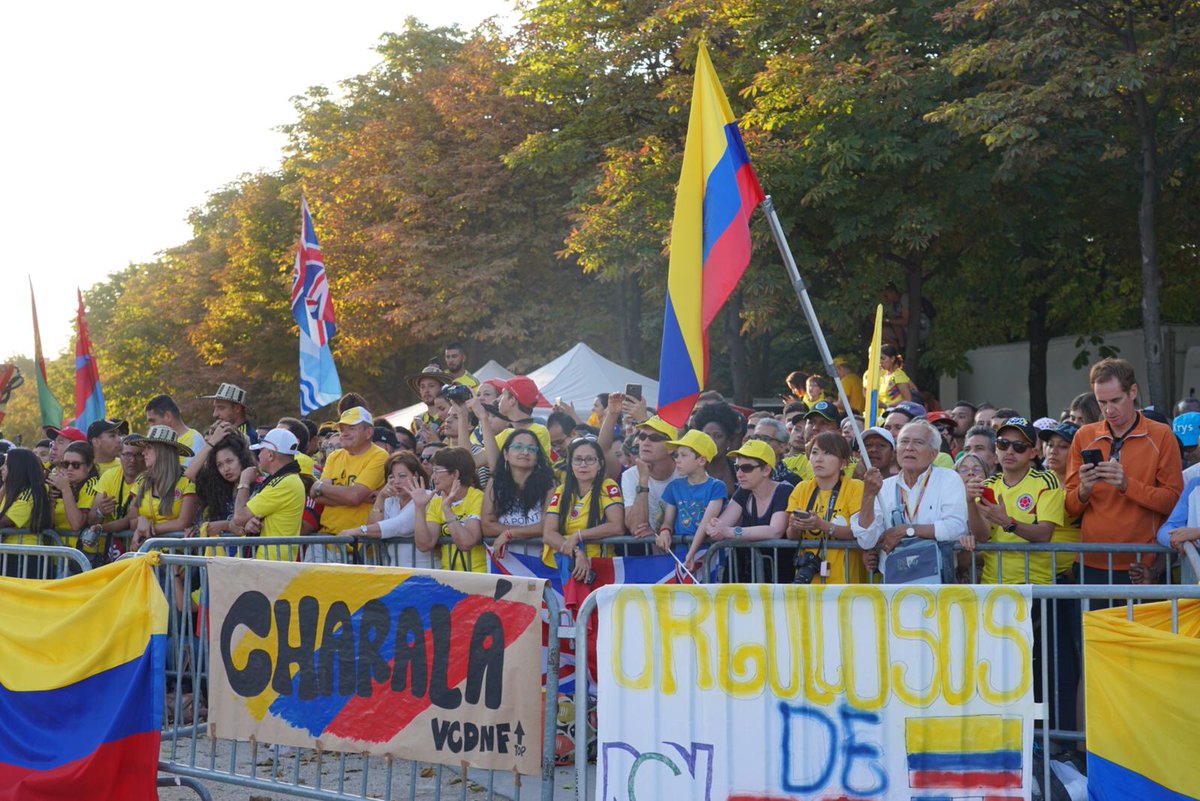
313,309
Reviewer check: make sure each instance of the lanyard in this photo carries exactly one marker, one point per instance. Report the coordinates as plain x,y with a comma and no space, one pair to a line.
910,512
1114,452
833,496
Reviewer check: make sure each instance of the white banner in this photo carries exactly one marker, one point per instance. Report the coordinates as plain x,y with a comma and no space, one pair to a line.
770,692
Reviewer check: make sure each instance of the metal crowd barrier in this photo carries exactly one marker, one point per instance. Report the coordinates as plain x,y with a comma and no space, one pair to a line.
41,561
190,751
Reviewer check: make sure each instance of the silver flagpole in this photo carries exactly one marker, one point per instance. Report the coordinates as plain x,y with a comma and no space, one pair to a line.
802,293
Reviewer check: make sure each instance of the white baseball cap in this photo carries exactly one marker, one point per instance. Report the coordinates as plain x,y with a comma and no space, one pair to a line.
279,440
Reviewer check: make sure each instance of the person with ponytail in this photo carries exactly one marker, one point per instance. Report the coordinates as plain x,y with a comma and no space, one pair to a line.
894,384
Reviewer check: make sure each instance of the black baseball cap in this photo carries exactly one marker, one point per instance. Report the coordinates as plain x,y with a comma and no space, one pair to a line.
386,436
1024,426
824,409
102,426
1066,429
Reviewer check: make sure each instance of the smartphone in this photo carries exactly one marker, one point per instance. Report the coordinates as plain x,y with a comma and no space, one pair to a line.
988,495
1092,456
633,391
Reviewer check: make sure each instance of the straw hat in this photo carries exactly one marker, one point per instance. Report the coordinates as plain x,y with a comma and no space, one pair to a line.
228,392
164,435
431,371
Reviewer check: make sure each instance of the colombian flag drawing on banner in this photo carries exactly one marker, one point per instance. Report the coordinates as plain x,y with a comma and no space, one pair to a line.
81,684
710,240
1141,721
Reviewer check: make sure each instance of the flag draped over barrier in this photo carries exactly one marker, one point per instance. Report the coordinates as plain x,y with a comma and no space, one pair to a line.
81,692
1139,734
51,410
312,308
710,240
89,396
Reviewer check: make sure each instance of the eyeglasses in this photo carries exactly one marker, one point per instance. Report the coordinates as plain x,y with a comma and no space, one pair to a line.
1005,444
435,471
585,461
749,467
766,438
646,436
523,448
65,465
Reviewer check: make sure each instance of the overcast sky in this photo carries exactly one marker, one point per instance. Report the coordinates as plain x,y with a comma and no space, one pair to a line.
120,117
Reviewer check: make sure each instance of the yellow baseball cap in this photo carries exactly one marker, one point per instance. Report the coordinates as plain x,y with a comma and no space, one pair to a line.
355,416
698,441
755,449
660,425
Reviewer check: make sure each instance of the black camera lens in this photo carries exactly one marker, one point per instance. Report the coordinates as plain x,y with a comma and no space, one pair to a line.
808,566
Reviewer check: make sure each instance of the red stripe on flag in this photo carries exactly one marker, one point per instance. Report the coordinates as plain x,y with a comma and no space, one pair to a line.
965,780
125,770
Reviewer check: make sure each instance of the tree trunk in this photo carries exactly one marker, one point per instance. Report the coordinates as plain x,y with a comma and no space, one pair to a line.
738,368
912,347
1039,342
633,325
1156,385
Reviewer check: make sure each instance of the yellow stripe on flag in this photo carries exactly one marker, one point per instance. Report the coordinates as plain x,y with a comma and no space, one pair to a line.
972,734
57,633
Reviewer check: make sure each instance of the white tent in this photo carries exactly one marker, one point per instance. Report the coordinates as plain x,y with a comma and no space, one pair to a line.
577,377
580,374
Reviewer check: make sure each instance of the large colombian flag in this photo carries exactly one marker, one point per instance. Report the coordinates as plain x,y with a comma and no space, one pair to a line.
710,240
1142,720
81,685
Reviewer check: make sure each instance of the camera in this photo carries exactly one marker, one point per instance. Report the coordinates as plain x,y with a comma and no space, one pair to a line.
456,393
808,567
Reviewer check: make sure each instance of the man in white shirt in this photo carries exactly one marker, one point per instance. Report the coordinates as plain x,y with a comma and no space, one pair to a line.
922,500
642,486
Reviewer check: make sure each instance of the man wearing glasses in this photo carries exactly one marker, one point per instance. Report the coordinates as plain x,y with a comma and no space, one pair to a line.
1019,504
642,486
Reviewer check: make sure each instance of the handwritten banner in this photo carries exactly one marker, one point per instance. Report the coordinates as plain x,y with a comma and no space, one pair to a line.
427,665
766,692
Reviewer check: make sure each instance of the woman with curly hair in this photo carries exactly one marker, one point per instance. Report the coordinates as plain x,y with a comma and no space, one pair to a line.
522,483
216,484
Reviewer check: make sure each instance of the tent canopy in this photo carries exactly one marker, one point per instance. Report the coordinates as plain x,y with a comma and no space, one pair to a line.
577,376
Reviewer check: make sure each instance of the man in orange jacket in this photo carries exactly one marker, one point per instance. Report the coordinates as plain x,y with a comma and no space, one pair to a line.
1125,492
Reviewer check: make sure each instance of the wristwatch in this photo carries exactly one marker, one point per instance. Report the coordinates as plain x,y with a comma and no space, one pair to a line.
363,529
737,531
317,487
910,532
243,486
641,489
1011,528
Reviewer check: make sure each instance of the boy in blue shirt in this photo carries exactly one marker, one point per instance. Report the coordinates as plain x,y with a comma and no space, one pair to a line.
694,499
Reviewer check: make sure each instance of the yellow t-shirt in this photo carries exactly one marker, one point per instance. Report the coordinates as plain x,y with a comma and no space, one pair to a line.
20,514
1037,498
944,460
1068,532
467,380
888,394
854,391
344,470
280,504
192,439
306,463
469,508
799,465
112,484
845,567
813,400
66,532
610,496
149,505
104,467
538,431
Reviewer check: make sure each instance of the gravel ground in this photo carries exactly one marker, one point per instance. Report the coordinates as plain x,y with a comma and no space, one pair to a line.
302,767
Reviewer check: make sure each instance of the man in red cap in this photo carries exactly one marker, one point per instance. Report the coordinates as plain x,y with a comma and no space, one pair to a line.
516,404
62,437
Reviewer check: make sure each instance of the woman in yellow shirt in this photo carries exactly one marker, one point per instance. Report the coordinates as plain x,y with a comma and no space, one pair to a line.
451,509
25,503
587,507
73,483
166,499
894,384
820,509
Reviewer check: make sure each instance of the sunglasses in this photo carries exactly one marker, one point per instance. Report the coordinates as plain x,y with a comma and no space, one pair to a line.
645,436
1005,444
65,465
749,467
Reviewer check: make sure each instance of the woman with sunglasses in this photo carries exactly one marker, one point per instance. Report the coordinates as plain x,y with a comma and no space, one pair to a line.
520,490
73,484
596,511
757,510
450,509
25,503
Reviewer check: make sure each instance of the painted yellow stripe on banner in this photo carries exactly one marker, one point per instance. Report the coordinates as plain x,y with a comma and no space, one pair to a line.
972,734
57,633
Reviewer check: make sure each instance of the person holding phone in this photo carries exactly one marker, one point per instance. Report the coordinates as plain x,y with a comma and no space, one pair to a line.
820,509
1019,504
1124,477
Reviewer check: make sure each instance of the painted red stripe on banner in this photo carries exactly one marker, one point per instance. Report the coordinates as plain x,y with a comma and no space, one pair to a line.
124,770
965,780
382,716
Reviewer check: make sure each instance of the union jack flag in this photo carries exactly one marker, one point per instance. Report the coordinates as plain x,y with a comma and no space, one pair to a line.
312,308
311,305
